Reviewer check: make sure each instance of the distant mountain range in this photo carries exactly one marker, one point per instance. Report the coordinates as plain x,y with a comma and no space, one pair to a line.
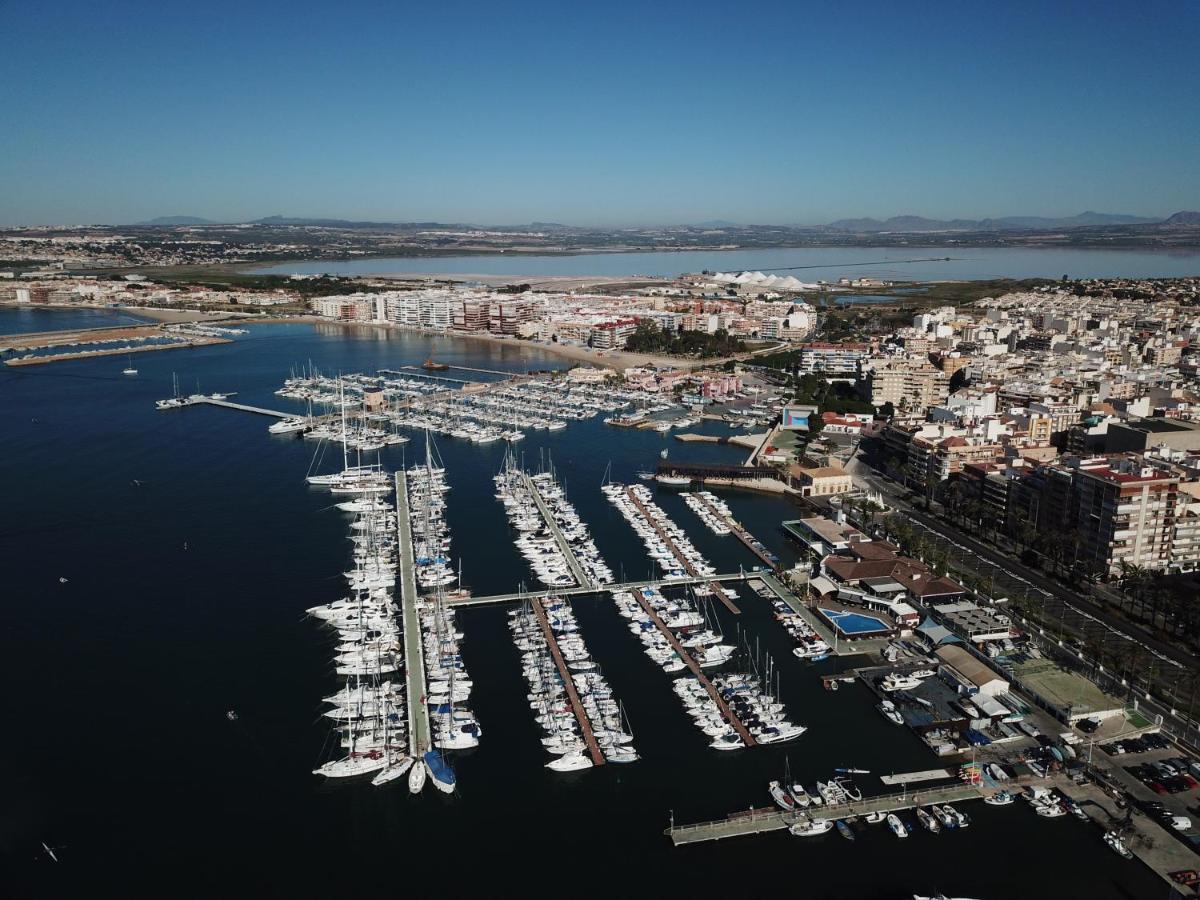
1007,223
896,224
177,220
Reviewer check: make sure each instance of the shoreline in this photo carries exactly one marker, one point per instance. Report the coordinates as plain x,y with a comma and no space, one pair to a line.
612,359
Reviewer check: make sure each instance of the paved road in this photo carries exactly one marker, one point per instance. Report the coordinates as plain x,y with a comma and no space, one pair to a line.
1076,614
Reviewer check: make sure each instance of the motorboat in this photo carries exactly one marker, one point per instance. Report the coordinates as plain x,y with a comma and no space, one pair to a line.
1000,798
1117,845
898,827
811,828
928,822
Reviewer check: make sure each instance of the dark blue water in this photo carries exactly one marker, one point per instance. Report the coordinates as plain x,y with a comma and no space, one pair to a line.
191,547
813,263
25,319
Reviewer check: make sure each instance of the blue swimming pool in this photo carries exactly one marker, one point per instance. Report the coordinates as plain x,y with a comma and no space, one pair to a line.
851,623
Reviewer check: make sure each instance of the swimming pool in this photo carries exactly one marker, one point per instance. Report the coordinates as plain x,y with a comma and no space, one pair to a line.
853,624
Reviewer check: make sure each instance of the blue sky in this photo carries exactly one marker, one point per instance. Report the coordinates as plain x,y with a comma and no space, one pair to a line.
605,113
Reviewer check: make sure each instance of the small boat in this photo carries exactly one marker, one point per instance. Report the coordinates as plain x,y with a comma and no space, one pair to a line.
432,366
570,762
440,772
1076,810
928,822
673,480
129,369
800,795
782,798
845,830
416,779
898,828
1000,798
1117,845
961,820
875,818
946,818
853,771
231,715
811,828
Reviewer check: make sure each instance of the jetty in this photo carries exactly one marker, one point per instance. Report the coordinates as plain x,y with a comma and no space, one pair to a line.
763,819
754,545
585,724
690,662
414,654
916,777
564,545
210,401
838,647
519,596
683,560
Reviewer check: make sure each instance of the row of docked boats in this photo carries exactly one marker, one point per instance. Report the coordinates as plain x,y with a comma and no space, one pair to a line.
666,543
427,488
368,714
537,540
809,644
689,620
711,510
757,707
550,688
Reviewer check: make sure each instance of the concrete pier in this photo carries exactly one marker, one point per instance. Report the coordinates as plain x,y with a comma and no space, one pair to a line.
564,546
683,561
690,662
585,724
740,533
516,596
764,819
414,654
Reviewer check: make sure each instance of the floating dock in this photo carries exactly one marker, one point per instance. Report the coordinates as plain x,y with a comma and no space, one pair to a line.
743,732
414,654
741,533
916,777
764,819
683,561
564,546
274,413
585,724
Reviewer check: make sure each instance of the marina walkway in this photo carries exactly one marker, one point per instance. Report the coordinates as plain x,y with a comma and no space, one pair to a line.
568,552
585,724
743,732
516,596
758,821
414,654
752,543
683,560
838,647
274,413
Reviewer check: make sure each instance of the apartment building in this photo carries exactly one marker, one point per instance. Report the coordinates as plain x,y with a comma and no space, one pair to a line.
908,383
832,360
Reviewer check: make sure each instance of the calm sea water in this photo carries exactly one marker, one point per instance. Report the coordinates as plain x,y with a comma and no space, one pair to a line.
192,546
24,319
812,263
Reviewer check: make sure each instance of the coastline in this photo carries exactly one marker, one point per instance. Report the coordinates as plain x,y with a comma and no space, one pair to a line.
611,359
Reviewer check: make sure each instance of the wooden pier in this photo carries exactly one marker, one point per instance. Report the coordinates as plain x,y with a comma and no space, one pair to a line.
585,724
516,596
683,561
414,653
690,662
564,547
740,533
763,819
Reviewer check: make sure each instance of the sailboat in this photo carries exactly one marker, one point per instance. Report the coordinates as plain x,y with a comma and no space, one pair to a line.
129,369
440,772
